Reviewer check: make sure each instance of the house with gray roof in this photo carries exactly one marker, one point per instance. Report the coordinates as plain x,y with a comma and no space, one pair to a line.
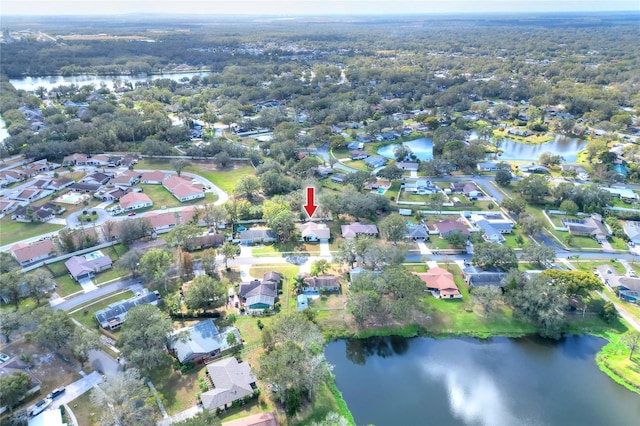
200,341
490,233
417,233
315,285
257,235
357,228
112,317
259,295
375,161
591,226
86,266
476,277
632,229
231,380
627,288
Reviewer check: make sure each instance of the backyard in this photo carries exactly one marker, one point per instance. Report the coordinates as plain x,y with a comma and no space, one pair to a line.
12,231
85,314
162,198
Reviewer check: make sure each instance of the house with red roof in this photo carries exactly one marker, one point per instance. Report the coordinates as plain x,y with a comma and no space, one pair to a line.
135,201
161,221
440,283
182,189
447,226
153,178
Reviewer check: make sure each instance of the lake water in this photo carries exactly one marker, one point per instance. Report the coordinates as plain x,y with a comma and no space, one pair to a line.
511,149
49,82
499,381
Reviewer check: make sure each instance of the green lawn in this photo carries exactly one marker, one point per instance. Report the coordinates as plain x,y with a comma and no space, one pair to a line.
590,266
618,243
226,179
12,231
85,314
65,285
178,390
580,242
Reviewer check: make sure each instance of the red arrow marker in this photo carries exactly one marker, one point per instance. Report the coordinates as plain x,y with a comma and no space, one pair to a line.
311,206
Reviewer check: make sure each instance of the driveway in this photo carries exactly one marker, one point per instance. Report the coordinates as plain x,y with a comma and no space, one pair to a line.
77,388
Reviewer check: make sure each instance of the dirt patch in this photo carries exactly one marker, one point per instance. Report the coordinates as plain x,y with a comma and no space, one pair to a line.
48,367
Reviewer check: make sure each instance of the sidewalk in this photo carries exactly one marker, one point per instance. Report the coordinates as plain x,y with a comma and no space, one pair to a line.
183,415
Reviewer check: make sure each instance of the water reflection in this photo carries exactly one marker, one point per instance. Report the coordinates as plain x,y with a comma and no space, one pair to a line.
358,350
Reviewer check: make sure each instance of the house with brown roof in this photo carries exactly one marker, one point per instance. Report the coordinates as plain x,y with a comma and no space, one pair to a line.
74,160
313,232
135,201
161,221
59,183
357,228
29,194
7,206
313,286
153,178
258,295
96,179
440,283
447,226
591,226
26,254
98,160
182,189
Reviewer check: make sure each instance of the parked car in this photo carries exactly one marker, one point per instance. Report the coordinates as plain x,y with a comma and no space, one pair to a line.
4,357
40,406
132,214
55,393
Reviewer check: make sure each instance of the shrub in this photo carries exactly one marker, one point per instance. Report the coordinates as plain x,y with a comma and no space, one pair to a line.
260,325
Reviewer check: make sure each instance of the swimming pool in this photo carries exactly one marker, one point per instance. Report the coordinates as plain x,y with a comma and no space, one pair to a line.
381,191
94,255
72,198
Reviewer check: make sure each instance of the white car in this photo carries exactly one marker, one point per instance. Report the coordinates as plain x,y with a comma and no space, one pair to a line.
40,406
4,357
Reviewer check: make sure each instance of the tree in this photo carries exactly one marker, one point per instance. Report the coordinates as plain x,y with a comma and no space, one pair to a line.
401,283
124,400
184,235
359,178
539,254
178,164
184,263
540,304
131,230
211,214
393,227
82,343
631,340
609,312
155,265
130,261
574,283
530,225
37,283
55,330
7,262
402,152
363,305
10,321
296,327
346,254
457,239
228,251
503,177
208,260
247,187
332,419
487,296
319,267
493,255
515,205
143,337
569,206
390,172
222,159
549,159
205,293
533,187
435,201
283,224
10,283
14,388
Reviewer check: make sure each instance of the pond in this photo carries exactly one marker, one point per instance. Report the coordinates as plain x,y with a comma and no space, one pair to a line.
499,381
511,150
49,82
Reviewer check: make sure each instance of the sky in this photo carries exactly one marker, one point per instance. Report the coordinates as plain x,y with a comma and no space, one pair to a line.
304,7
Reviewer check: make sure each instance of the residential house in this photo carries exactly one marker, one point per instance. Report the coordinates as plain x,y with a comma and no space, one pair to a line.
200,342
591,226
315,285
632,229
519,132
126,179
471,190
410,166
100,160
47,418
627,288
457,186
625,194
112,195
258,295
257,235
42,213
338,178
112,317
488,167
440,283
447,226
161,221
534,168
496,219
357,154
302,302
26,254
86,266
323,171
182,189
314,232
476,277
420,187
75,160
85,187
357,228
490,233
153,178
417,233
231,380
10,176
375,162
353,273
355,145
7,206
30,195
96,179
135,201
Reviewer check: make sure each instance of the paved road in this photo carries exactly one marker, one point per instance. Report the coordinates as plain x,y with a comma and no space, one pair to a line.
69,304
77,388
